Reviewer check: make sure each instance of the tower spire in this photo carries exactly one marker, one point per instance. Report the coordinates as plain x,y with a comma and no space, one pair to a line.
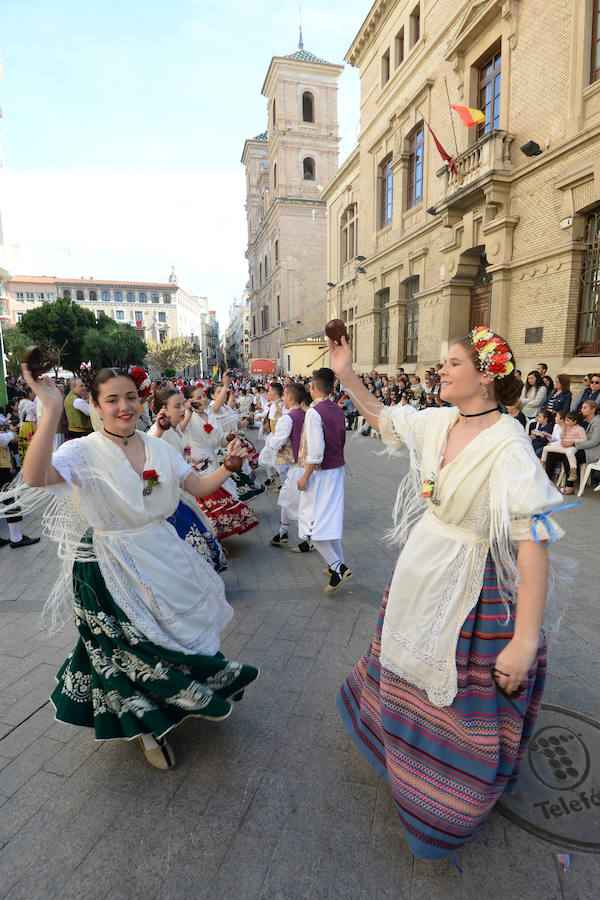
300,41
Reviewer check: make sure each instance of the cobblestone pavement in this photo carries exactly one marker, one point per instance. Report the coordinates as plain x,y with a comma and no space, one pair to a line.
275,802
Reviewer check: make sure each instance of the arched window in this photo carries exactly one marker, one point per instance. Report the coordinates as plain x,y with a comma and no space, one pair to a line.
79,296
276,252
274,176
266,267
308,107
274,115
348,233
105,296
93,296
308,168
260,273
67,293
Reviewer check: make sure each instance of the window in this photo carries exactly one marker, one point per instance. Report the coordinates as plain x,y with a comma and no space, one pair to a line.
308,169
588,330
142,298
120,315
411,319
289,361
20,316
130,297
399,48
118,297
278,308
489,93
139,318
162,317
260,273
66,293
79,296
382,298
415,25
20,295
167,298
386,186
415,169
50,296
93,296
155,298
385,67
266,318
29,295
348,228
253,325
274,176
308,107
252,281
266,268
595,67
274,114
276,253
99,312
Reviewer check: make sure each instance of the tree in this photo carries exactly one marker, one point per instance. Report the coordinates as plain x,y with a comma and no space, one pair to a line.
15,344
112,344
171,354
59,328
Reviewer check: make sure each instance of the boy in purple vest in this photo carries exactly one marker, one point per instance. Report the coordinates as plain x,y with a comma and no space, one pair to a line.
286,440
321,485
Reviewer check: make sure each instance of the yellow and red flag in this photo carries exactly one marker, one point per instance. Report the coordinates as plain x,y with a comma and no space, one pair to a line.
469,115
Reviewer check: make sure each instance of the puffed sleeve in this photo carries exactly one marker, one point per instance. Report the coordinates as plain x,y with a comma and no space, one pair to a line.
69,461
396,424
531,496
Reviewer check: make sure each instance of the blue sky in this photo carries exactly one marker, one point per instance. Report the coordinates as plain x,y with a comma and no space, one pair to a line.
124,124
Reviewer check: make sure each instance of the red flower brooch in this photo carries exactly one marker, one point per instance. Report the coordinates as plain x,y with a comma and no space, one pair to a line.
208,428
151,479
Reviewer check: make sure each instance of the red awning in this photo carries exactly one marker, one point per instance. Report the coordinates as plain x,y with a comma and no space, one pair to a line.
263,367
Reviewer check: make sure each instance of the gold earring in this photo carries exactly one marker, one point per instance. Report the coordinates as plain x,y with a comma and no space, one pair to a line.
484,392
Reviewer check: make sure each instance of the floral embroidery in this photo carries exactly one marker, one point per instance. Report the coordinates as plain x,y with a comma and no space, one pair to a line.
195,696
76,685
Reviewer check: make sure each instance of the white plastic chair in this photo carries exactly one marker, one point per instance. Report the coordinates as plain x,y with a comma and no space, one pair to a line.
585,474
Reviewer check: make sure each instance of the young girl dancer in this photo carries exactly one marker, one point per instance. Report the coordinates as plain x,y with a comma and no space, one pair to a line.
428,703
148,608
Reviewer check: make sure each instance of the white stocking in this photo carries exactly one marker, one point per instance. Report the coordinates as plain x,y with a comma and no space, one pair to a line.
332,553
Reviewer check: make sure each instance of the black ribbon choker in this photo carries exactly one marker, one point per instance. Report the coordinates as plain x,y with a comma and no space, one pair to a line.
474,415
124,438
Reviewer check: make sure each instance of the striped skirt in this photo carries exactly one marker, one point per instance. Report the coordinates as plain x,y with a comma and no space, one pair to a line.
446,767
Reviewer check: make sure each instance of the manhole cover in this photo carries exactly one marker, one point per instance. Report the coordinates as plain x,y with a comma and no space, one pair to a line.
558,791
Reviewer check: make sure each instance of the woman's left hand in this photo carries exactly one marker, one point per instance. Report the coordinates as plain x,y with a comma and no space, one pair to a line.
513,664
236,448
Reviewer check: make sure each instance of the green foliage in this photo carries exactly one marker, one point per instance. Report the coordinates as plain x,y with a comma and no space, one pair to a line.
171,354
59,328
112,344
169,372
15,344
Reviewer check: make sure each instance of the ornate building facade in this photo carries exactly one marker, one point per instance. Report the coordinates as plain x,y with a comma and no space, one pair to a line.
418,254
286,167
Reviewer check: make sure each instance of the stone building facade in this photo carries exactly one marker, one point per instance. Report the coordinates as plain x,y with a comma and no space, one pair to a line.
237,334
418,254
286,168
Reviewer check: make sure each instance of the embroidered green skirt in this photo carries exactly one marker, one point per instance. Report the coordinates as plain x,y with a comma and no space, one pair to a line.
122,685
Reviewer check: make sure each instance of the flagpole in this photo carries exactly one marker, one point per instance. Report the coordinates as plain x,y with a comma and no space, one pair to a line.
453,128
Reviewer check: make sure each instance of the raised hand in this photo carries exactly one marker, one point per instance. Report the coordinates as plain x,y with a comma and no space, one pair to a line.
44,388
340,356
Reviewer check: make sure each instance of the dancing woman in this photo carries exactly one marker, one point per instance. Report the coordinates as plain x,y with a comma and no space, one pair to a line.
460,626
190,521
148,608
202,431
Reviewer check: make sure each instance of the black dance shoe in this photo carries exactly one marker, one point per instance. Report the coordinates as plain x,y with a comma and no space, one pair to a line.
24,542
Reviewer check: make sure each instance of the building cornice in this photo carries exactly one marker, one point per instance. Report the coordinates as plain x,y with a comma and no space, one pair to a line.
294,64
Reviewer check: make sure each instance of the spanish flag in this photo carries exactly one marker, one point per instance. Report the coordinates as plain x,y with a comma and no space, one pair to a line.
469,116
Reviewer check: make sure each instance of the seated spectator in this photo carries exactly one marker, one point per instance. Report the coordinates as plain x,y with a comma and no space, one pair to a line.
548,384
533,395
515,412
541,431
560,397
584,393
586,451
572,433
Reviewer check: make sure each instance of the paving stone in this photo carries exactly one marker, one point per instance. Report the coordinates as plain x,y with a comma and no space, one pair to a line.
23,767
19,808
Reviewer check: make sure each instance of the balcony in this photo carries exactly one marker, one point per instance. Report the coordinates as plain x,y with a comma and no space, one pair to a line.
476,167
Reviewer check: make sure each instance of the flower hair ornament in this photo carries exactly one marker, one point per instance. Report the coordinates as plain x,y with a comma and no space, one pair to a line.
142,380
493,354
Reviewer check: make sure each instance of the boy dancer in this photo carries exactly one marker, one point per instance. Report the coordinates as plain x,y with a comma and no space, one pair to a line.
286,440
272,416
321,485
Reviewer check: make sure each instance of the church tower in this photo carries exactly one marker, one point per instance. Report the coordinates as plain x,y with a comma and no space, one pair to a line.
286,169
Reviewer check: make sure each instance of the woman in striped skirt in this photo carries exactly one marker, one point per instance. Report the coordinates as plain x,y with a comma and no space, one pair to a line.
444,701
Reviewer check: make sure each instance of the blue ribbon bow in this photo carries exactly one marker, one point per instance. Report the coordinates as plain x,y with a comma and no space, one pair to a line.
543,517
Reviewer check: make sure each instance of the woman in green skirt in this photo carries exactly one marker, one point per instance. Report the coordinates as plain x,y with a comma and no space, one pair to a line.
149,609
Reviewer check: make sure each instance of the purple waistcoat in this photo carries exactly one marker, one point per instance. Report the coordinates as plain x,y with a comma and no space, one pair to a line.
334,432
297,417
